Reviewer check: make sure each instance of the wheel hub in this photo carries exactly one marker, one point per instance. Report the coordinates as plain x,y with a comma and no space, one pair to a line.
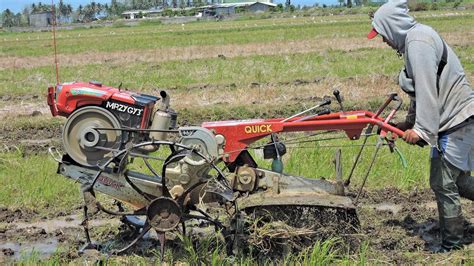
89,137
164,214
83,142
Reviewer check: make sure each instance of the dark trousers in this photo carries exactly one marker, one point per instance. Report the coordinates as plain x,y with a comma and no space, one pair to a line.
449,184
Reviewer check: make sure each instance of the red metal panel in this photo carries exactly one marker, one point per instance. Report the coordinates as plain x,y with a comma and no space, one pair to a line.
51,101
241,133
77,94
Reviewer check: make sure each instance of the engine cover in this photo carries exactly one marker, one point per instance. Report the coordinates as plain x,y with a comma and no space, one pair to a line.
93,111
131,109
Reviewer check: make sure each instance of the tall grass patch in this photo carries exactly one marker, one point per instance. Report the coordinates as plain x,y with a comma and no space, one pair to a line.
31,182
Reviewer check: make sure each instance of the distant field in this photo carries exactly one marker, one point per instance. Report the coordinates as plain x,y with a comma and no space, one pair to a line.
184,56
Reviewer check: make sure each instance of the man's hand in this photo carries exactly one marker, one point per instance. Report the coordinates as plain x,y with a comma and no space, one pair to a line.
410,136
404,126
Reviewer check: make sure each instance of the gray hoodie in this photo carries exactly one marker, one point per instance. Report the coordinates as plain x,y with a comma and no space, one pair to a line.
422,49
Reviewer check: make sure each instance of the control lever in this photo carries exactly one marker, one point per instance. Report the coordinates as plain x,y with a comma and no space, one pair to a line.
337,94
326,101
324,111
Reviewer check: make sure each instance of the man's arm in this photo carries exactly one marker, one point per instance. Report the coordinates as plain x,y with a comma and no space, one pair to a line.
422,59
409,119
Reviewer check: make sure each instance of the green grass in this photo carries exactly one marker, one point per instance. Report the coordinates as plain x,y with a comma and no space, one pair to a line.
32,183
240,71
208,33
315,162
25,123
179,74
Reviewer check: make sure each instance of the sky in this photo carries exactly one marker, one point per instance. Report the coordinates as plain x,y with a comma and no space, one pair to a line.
18,5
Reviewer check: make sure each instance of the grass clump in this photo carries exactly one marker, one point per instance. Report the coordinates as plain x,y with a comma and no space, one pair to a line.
32,183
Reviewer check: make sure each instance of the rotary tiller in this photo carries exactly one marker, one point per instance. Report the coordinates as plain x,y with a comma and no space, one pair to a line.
127,146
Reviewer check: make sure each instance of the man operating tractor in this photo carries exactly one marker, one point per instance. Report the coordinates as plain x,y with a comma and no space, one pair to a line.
441,112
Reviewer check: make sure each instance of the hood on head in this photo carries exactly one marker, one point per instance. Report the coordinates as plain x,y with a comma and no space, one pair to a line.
392,21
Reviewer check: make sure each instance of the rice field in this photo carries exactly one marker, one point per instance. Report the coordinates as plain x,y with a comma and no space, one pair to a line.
216,70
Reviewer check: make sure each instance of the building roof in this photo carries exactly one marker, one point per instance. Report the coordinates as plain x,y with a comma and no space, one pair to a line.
148,11
243,1
154,10
223,5
241,4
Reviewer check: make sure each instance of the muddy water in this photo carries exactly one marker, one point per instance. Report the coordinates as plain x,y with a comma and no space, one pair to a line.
15,251
71,221
43,238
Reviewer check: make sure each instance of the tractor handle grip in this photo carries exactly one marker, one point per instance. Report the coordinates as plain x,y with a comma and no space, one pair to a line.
393,129
395,97
326,101
421,143
337,94
324,111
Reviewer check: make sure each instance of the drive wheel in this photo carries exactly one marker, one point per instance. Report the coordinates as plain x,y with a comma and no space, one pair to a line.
83,141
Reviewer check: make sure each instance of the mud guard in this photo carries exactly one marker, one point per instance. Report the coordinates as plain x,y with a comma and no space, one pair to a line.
295,198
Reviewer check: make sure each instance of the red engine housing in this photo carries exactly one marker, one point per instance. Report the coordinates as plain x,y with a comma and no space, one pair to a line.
65,98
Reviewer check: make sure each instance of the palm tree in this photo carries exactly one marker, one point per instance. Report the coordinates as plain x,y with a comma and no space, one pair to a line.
26,16
61,10
69,10
8,19
79,13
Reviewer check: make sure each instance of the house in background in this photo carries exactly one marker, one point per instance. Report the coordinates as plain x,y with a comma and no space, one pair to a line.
41,19
226,9
133,14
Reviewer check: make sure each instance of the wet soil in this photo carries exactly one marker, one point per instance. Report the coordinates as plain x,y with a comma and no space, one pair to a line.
31,137
21,139
396,225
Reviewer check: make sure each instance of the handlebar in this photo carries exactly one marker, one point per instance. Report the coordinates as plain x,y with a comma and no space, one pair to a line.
385,124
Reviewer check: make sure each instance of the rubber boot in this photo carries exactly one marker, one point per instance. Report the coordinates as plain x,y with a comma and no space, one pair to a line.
452,232
465,185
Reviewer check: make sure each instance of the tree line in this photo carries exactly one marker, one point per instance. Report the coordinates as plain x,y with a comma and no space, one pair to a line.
65,13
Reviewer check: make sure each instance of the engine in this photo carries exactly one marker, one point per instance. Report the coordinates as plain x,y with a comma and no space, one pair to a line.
103,119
